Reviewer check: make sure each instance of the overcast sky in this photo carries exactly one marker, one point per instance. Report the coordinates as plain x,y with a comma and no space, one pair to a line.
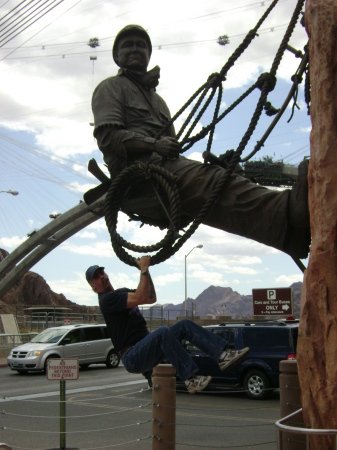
48,73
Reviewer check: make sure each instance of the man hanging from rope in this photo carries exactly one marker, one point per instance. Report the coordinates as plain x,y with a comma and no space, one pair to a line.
141,350
128,116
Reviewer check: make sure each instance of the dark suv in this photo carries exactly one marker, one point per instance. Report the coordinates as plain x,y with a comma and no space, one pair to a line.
258,375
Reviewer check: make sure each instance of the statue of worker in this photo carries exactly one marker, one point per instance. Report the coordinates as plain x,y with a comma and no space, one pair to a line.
128,116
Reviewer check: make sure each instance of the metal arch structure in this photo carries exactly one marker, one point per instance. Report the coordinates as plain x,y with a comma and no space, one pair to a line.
47,239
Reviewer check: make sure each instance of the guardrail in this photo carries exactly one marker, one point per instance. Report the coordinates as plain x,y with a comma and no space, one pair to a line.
304,432
10,340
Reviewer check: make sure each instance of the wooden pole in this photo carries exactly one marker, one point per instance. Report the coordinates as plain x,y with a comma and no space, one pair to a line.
164,407
290,401
317,346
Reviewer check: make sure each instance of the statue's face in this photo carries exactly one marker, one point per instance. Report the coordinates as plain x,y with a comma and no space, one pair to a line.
133,53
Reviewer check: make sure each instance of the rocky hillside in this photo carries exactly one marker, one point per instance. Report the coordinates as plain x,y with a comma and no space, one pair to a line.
32,290
223,301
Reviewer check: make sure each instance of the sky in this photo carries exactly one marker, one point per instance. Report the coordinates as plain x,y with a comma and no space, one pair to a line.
48,73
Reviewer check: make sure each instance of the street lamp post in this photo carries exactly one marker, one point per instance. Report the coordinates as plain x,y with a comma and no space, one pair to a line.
11,192
197,246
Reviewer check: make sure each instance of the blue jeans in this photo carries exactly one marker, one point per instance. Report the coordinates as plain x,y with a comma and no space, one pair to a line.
165,344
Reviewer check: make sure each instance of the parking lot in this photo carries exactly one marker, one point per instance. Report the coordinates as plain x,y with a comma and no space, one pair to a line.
110,408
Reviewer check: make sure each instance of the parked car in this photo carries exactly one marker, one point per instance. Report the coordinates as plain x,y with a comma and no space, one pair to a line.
269,343
91,344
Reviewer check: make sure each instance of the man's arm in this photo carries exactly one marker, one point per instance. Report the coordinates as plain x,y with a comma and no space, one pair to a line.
145,293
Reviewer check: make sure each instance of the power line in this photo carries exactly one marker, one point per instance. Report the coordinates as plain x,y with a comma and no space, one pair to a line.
159,46
15,13
42,28
12,9
19,30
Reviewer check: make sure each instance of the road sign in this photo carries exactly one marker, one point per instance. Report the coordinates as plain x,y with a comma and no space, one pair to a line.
272,302
62,369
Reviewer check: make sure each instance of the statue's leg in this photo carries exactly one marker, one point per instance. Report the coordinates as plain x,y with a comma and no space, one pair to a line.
243,208
278,218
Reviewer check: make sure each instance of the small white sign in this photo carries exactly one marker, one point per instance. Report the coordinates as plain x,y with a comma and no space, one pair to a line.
62,369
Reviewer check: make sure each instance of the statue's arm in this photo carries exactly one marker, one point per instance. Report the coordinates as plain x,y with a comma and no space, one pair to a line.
111,126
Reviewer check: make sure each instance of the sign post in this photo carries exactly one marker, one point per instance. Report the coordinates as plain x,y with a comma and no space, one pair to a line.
62,369
272,302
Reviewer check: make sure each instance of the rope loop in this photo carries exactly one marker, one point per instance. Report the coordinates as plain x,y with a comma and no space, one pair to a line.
268,78
164,185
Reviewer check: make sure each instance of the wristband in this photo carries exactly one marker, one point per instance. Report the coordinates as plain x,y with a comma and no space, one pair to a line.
145,272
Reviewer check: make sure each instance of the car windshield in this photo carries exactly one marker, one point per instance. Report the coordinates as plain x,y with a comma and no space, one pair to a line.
49,336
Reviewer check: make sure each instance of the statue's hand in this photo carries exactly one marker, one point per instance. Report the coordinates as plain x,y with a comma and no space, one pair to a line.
168,147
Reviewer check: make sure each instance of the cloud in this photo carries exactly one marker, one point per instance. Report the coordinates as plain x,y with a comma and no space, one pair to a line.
196,156
167,279
287,280
98,248
11,242
87,235
76,290
74,139
212,278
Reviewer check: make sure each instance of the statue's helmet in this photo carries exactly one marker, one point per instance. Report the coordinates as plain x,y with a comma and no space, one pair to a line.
131,29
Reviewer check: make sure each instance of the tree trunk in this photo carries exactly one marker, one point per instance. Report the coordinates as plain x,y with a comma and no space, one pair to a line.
317,355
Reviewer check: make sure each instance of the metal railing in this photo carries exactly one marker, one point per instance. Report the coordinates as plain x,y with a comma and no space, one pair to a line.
304,432
10,340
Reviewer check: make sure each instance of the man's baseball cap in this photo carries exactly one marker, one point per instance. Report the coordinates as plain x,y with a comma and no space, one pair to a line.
90,272
131,29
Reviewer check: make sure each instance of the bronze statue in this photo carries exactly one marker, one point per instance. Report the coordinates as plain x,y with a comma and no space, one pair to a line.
128,116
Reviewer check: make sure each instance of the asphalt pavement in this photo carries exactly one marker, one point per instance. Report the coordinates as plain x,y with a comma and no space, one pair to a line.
108,408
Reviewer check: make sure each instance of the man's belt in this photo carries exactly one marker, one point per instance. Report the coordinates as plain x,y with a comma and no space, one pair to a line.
125,349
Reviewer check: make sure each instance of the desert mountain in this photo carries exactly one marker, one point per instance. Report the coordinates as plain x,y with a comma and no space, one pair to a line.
33,290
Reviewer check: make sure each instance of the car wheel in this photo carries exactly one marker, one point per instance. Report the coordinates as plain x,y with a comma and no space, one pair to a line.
112,360
46,361
84,366
256,385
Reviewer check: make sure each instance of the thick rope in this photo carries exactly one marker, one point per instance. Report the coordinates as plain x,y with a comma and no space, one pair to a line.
157,175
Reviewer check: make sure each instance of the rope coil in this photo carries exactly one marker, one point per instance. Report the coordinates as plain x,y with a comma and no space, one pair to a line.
117,192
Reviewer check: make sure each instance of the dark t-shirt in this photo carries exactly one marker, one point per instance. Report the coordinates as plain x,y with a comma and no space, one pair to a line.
126,326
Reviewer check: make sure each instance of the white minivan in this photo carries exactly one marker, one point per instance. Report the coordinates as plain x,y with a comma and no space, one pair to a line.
91,344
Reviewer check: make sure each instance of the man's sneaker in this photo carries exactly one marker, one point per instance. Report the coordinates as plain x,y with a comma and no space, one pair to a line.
233,357
197,383
148,376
